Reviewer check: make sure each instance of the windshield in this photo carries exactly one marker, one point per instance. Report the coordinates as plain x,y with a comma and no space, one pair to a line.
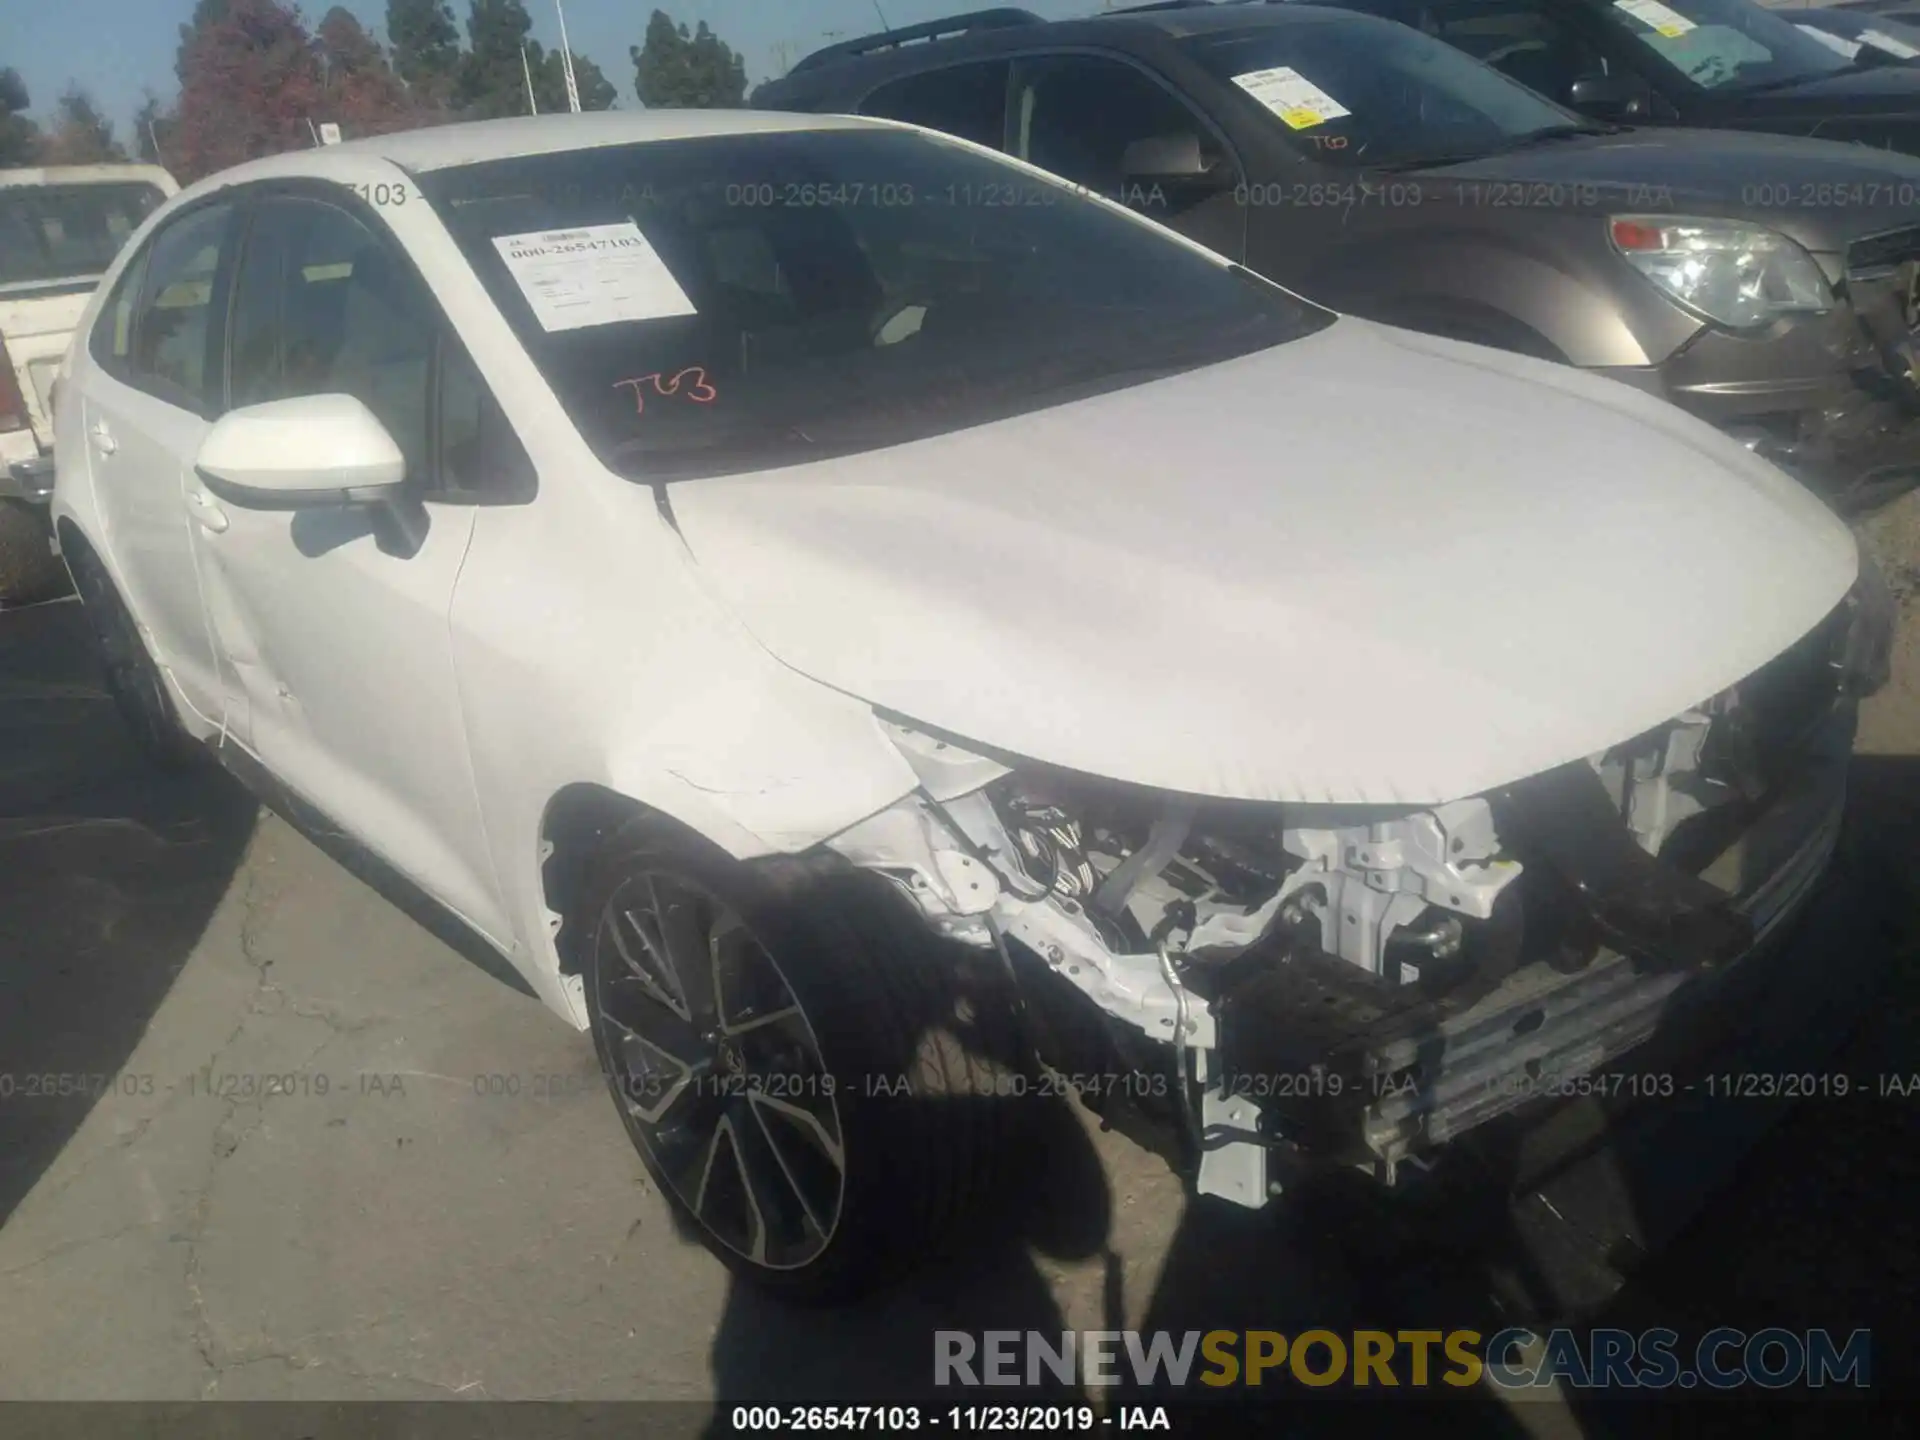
67,232
1355,90
742,302
1727,45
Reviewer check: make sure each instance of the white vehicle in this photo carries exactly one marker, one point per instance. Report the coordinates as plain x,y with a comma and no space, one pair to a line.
835,632
60,228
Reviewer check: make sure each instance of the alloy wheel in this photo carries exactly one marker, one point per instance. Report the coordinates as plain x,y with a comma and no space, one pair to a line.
718,1070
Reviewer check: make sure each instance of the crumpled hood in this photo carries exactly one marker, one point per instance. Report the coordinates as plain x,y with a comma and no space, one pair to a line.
1367,566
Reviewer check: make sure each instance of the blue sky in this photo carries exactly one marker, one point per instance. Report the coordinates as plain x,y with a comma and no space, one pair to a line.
117,48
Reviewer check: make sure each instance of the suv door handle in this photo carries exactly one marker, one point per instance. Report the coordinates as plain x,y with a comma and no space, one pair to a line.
102,438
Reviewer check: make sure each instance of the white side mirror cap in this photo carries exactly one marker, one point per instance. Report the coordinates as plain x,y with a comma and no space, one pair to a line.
312,450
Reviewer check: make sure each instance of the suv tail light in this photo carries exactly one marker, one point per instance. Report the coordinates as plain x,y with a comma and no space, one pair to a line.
13,405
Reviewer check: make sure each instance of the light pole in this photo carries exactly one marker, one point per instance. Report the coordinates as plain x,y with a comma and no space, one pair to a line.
566,60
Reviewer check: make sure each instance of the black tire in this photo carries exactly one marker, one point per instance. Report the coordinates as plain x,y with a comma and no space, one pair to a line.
133,679
29,570
917,1068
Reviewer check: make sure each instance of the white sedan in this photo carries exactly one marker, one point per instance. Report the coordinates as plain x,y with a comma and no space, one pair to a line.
878,635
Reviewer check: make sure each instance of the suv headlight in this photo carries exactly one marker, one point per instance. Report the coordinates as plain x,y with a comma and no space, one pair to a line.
1740,276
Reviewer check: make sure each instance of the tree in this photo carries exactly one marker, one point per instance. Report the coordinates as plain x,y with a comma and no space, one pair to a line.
676,70
206,13
81,135
152,131
362,94
550,81
251,83
491,81
426,48
19,136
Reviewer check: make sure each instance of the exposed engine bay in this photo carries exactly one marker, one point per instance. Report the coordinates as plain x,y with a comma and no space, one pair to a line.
1318,977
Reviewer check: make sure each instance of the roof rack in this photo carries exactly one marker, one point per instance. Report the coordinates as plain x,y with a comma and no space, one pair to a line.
1158,5
1001,19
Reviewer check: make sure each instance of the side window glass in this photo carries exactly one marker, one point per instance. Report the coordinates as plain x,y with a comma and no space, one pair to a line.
112,341
1105,125
173,325
965,100
324,306
481,459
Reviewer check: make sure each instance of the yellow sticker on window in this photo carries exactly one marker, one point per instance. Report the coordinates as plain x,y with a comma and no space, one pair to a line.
1298,102
1661,19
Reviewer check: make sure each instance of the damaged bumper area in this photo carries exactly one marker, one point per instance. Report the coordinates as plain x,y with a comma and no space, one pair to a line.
1361,985
1835,401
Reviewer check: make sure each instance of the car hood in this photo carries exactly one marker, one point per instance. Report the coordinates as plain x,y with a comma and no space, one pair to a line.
1821,192
1366,566
1884,89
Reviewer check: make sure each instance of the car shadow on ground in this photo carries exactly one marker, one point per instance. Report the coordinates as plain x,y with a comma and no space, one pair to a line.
1705,1211
109,872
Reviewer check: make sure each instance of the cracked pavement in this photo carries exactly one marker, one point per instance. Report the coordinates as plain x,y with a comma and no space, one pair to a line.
331,1159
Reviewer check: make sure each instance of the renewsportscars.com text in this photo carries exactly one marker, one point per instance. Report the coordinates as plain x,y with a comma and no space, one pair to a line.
1721,1359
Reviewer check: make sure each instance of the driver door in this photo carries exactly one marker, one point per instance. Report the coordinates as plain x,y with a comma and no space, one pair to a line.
340,642
1110,126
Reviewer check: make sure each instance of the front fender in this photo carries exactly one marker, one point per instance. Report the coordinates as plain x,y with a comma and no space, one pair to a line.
1555,303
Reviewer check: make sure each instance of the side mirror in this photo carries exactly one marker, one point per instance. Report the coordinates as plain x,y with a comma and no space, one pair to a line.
1165,157
301,454
310,453
1608,97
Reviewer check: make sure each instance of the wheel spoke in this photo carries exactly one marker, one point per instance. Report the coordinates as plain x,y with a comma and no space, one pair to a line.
645,956
824,1137
750,1022
709,1167
683,918
638,1007
779,1189
650,1088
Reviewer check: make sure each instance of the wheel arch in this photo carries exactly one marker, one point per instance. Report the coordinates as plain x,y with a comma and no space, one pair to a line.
576,820
73,540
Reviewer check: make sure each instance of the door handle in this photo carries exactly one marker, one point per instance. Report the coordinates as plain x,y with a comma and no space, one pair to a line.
102,438
207,511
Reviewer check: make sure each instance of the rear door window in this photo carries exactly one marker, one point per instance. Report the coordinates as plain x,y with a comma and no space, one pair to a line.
173,327
68,232
324,306
965,100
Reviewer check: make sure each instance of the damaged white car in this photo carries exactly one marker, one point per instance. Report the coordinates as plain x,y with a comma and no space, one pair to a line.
876,634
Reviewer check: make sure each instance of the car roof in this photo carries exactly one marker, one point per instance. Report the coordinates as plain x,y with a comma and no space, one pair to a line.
86,175
1214,19
834,67
438,147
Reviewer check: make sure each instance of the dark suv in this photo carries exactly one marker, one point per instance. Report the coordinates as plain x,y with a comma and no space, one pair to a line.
1719,63
1769,285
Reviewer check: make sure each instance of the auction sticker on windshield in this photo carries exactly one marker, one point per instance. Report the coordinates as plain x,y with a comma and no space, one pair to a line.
1657,17
592,275
1290,95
